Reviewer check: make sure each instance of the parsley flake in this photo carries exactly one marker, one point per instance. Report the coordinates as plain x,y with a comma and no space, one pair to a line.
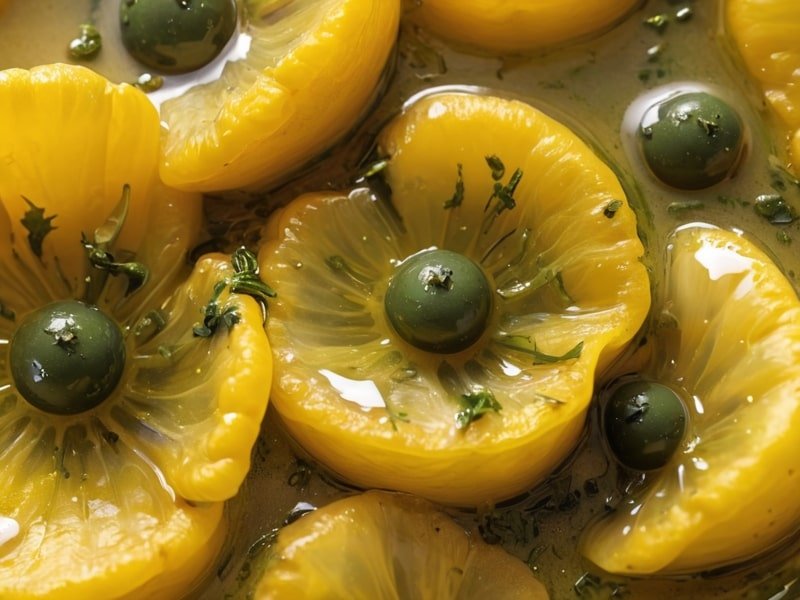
475,405
611,208
458,196
524,344
38,226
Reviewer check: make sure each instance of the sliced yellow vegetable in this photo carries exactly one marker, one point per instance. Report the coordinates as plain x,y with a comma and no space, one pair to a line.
517,25
123,499
570,292
312,69
767,34
381,545
731,342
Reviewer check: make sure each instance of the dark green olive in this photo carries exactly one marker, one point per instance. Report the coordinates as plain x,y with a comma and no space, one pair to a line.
67,357
695,142
176,36
439,301
644,424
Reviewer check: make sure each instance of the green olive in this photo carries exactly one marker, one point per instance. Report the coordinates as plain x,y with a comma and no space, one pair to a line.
439,301
176,36
695,142
67,357
644,424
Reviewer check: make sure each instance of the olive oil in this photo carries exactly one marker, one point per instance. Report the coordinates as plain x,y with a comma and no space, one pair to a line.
602,88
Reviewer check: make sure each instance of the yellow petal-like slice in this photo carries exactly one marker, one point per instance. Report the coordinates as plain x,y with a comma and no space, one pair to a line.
564,264
729,493
380,545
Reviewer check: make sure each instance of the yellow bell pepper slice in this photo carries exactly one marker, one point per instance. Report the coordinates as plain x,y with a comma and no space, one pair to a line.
767,35
517,25
124,499
570,293
731,342
311,71
352,548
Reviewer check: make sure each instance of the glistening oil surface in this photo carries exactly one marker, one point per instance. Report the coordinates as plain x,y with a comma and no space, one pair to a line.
600,88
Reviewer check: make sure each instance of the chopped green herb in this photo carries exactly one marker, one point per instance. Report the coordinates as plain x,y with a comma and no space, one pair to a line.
562,290
246,278
524,343
783,237
676,208
149,325
504,194
497,167
644,75
38,226
103,260
775,209
458,196
476,404
214,315
732,201
149,83
611,208
658,22
100,258
87,44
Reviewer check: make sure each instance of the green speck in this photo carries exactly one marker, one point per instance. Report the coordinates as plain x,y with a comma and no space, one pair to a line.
676,208
611,208
87,44
658,22
497,167
458,195
783,237
149,83
476,404
775,209
524,344
38,226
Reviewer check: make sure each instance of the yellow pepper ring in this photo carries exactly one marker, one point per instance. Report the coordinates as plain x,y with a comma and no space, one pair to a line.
518,25
729,493
767,35
560,249
122,499
311,71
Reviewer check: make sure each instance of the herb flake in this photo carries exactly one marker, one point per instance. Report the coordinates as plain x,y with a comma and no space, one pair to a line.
458,195
475,405
524,344
38,226
611,208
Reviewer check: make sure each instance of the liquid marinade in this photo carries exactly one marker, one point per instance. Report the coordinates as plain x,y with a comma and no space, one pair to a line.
600,88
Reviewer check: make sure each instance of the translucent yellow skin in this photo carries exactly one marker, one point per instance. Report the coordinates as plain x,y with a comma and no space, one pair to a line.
141,513
325,321
350,550
767,35
307,78
730,493
508,26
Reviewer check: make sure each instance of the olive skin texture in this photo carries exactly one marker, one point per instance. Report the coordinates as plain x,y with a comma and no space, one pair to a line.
67,357
439,301
696,141
176,36
644,423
